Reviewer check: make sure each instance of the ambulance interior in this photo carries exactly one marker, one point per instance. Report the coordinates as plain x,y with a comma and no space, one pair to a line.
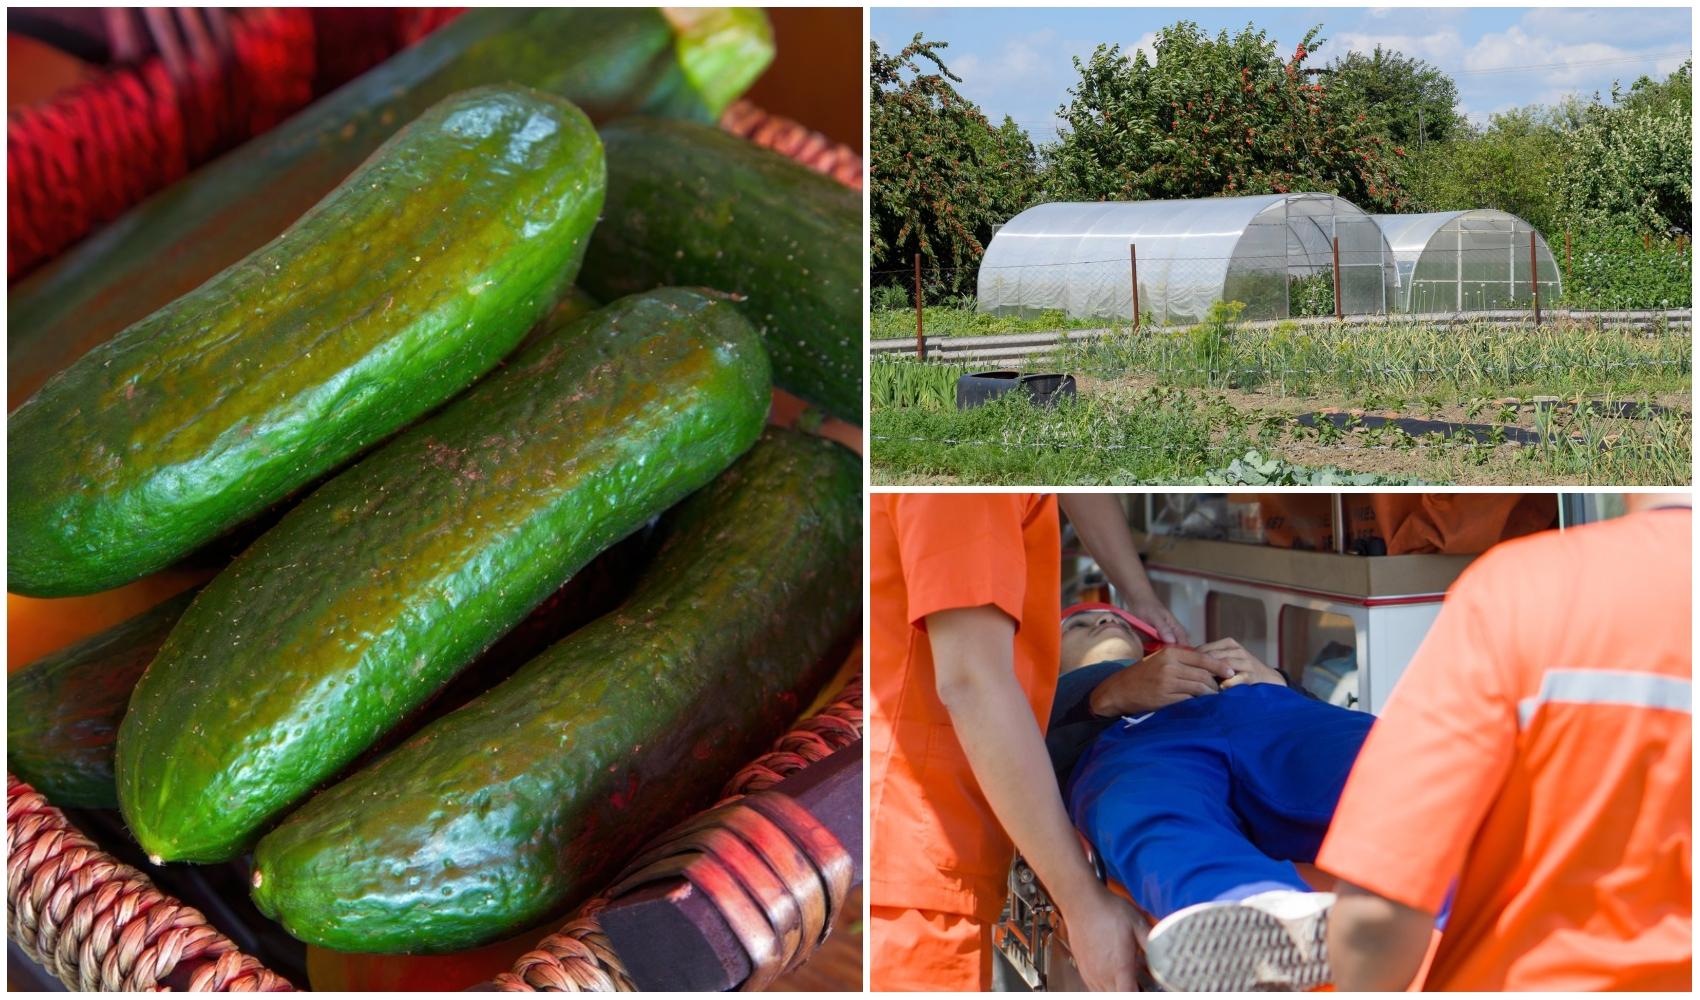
1335,590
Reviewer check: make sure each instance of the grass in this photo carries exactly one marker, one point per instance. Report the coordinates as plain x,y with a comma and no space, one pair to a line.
1179,437
1104,440
963,321
895,382
1405,360
1221,391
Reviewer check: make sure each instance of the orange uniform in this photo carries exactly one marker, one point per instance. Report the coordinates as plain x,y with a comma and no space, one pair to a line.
939,856
1538,751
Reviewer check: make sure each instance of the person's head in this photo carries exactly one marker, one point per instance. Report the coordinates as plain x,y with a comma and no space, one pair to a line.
1094,633
1634,503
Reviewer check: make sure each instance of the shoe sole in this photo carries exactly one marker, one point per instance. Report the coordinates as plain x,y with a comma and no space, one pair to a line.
1230,947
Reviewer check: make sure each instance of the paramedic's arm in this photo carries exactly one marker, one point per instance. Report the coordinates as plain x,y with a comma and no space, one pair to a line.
1375,943
973,656
1101,524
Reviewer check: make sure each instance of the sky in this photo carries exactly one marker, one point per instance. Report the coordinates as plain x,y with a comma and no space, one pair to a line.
1016,61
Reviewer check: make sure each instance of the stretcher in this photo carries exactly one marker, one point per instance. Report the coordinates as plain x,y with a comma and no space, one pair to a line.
1030,934
1032,938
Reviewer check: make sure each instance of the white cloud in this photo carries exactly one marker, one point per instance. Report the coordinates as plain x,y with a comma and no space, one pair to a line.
1547,60
1439,47
1147,44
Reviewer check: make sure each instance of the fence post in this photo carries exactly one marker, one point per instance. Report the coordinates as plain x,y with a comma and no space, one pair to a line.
1133,263
1567,255
1339,314
920,340
1534,279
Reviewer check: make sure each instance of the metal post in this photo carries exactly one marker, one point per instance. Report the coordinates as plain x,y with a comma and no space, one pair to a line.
1534,279
1458,286
1339,314
920,341
1133,264
1340,522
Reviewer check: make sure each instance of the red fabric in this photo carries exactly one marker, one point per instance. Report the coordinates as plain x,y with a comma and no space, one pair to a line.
81,159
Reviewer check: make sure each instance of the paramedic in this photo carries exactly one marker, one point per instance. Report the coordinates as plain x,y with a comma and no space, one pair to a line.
1206,779
964,596
1537,750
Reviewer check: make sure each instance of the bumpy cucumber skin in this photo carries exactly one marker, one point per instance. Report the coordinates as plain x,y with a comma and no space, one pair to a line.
63,710
373,592
693,205
608,61
528,798
396,292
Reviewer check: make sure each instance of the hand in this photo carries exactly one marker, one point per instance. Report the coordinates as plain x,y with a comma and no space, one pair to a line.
1154,613
1172,674
1247,668
1106,936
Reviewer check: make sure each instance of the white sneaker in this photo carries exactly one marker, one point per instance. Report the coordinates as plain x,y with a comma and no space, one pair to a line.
1271,941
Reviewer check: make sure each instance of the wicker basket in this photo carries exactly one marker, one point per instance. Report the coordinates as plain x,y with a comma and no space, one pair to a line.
96,923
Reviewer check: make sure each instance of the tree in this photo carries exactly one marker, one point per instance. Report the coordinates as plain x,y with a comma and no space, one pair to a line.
1214,116
942,177
1413,103
1630,163
1510,165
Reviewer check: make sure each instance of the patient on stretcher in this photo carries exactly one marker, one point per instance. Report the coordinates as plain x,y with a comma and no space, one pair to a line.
1201,778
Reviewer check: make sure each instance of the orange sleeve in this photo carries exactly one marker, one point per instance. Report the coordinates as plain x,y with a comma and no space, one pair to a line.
1435,761
961,551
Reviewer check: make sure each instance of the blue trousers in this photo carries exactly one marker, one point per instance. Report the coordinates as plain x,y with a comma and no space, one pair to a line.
1215,798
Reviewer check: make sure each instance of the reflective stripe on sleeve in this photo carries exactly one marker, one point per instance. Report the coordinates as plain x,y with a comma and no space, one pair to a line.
1609,687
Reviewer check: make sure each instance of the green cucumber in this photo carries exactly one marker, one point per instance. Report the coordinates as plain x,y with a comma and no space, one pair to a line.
381,585
531,796
687,64
691,205
396,292
63,710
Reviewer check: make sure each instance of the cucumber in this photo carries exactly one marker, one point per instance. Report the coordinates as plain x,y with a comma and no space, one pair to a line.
383,583
691,205
669,63
530,797
396,292
63,710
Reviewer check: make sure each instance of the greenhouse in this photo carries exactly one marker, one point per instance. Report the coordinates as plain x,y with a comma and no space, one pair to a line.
1274,253
1465,261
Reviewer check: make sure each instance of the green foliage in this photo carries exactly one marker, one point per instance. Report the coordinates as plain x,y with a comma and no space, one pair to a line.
1311,295
1650,449
1215,116
941,175
1630,164
894,382
1158,436
891,298
1254,469
1509,166
1401,362
1412,103
1614,267
960,319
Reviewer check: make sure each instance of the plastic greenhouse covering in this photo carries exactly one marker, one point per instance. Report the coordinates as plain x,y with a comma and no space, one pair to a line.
1274,253
1464,261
